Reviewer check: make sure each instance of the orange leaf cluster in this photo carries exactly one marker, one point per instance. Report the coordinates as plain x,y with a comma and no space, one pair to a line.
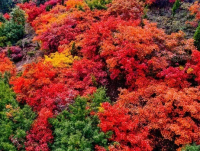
6,65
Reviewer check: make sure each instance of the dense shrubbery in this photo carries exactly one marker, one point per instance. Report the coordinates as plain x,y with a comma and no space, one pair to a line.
14,120
78,128
197,38
102,43
50,90
12,30
10,33
168,110
192,147
18,16
98,4
128,130
6,65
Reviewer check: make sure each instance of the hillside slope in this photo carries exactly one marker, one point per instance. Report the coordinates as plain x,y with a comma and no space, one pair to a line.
102,75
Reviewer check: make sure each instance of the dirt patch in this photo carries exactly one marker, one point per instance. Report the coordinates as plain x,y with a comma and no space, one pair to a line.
30,49
165,20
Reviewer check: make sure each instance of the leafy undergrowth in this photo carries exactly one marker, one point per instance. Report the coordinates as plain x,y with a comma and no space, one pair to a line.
15,120
78,128
151,79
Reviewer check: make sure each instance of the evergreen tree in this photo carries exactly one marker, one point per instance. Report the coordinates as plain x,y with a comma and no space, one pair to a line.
77,129
15,121
197,37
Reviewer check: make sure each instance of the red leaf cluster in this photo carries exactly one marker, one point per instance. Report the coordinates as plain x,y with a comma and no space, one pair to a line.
126,9
58,35
50,90
33,11
127,128
160,72
40,133
175,113
6,16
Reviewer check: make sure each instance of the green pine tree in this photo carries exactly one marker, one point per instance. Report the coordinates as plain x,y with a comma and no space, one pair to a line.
15,121
192,147
197,37
76,129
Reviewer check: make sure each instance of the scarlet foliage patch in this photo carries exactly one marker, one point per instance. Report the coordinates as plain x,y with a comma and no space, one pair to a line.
50,90
127,128
175,113
33,11
133,52
6,16
37,87
175,77
195,65
161,73
60,35
40,134
41,82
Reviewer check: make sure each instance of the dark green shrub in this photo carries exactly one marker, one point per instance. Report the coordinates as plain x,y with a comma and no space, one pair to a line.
12,31
77,129
197,37
18,16
2,19
176,6
98,4
192,147
48,7
3,41
14,120
73,49
25,1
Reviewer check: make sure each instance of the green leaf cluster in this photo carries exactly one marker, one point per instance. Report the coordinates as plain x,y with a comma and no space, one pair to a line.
14,120
13,30
197,37
18,16
2,19
176,6
76,129
97,4
192,147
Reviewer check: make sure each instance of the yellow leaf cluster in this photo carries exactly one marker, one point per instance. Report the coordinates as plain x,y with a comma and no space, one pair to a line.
64,59
189,70
101,109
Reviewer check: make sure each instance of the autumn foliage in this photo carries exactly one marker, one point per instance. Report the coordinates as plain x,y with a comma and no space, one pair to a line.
6,65
128,130
171,111
49,92
152,77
